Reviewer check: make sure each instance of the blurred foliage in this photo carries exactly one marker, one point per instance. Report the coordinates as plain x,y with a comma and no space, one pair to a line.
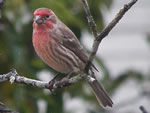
5,109
148,38
16,51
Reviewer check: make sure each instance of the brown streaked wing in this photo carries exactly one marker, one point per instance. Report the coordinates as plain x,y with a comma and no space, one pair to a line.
72,43
64,36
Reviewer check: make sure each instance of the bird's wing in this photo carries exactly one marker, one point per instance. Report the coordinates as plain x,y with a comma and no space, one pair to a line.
70,41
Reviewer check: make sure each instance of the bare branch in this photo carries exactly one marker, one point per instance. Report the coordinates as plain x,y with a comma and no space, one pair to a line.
13,76
105,31
1,5
90,19
142,108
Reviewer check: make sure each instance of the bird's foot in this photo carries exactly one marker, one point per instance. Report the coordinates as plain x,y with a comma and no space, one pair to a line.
52,82
63,82
50,85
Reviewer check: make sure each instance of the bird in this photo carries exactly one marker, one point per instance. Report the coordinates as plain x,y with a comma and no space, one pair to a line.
60,49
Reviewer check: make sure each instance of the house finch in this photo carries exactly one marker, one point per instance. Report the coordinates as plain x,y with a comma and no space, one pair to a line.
59,48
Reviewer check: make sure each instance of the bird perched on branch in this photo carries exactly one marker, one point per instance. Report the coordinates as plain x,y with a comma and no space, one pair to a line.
60,49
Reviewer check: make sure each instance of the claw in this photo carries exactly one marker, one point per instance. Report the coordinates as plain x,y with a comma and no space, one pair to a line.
50,86
52,82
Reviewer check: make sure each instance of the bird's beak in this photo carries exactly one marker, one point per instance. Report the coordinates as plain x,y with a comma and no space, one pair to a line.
38,20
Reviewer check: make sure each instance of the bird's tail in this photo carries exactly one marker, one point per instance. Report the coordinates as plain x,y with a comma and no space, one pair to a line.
101,95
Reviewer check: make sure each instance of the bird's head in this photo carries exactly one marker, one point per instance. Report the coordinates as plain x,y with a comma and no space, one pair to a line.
44,16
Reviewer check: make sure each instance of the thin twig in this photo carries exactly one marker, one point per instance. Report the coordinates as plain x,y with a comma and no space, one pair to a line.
90,19
142,108
105,31
1,5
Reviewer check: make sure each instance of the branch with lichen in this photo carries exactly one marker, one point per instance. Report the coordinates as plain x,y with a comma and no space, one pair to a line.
13,76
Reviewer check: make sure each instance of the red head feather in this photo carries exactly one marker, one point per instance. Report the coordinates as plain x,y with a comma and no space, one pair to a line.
42,12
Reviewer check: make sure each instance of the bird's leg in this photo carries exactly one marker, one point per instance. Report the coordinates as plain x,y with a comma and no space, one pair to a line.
64,80
51,83
68,75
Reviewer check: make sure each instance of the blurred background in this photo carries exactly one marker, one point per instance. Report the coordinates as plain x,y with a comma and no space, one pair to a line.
123,57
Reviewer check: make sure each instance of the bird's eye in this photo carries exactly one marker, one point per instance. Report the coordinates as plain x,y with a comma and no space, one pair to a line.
47,17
